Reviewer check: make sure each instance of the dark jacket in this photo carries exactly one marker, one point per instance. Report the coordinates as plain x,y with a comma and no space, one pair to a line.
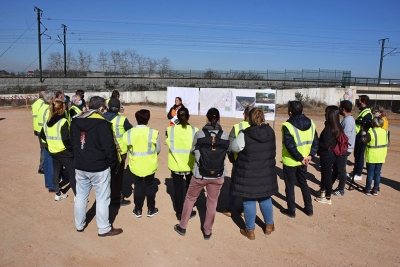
302,123
93,143
111,115
326,142
254,173
72,111
65,136
171,114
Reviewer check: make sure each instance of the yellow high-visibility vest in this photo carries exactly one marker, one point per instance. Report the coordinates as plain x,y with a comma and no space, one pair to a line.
376,150
53,136
76,109
35,110
141,142
360,116
240,127
119,130
303,141
43,115
180,143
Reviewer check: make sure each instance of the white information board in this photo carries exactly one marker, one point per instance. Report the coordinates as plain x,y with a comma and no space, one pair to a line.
222,99
189,95
260,98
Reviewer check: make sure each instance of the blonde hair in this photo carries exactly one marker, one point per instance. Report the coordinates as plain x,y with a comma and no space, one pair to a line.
56,108
257,117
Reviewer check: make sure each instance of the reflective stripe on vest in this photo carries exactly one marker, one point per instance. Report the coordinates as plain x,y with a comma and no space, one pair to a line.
149,145
53,136
360,116
172,141
118,128
43,117
303,141
240,127
35,111
376,149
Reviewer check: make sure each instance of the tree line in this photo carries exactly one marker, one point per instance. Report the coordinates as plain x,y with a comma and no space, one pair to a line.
115,61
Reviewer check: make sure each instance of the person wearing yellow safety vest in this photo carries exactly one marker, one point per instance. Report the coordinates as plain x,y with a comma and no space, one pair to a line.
180,159
42,117
75,107
299,145
236,129
36,130
363,123
377,142
95,157
143,145
120,125
55,133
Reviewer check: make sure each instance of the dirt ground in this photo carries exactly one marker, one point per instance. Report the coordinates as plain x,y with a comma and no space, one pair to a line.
356,230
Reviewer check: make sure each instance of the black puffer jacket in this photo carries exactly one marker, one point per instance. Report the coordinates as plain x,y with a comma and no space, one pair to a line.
254,173
326,142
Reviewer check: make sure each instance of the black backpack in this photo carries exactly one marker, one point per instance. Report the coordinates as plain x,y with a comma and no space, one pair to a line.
212,154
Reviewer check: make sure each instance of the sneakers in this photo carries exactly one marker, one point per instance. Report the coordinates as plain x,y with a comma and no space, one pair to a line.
289,213
324,200
137,213
309,213
151,213
124,202
60,196
375,192
357,177
40,171
248,233
112,232
367,192
207,237
180,230
338,192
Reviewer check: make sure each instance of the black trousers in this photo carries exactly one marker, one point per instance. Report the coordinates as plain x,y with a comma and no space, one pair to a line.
339,170
68,163
116,182
290,175
179,190
144,188
326,173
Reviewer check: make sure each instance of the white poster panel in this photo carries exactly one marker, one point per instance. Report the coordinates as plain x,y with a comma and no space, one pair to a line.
189,95
265,100
262,98
222,99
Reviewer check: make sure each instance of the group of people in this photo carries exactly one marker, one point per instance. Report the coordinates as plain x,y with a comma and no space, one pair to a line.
91,146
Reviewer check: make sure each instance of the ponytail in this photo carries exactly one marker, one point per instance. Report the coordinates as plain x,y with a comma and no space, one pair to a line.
183,117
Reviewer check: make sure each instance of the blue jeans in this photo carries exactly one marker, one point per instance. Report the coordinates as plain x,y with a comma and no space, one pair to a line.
48,169
373,173
250,211
100,181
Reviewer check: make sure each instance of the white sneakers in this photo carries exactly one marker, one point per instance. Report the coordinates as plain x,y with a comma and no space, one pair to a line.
60,197
356,177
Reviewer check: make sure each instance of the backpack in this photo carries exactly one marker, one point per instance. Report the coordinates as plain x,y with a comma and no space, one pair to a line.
342,144
212,154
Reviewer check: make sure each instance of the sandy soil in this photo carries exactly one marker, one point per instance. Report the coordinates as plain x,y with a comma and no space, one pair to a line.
356,230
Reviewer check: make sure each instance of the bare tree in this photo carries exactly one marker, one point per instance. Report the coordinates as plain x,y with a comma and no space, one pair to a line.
124,62
84,60
141,65
132,60
55,62
102,60
115,57
71,61
151,65
164,67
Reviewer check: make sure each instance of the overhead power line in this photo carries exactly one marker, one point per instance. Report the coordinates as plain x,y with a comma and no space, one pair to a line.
17,39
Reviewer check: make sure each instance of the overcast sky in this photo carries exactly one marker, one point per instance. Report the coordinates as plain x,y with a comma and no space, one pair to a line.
221,35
